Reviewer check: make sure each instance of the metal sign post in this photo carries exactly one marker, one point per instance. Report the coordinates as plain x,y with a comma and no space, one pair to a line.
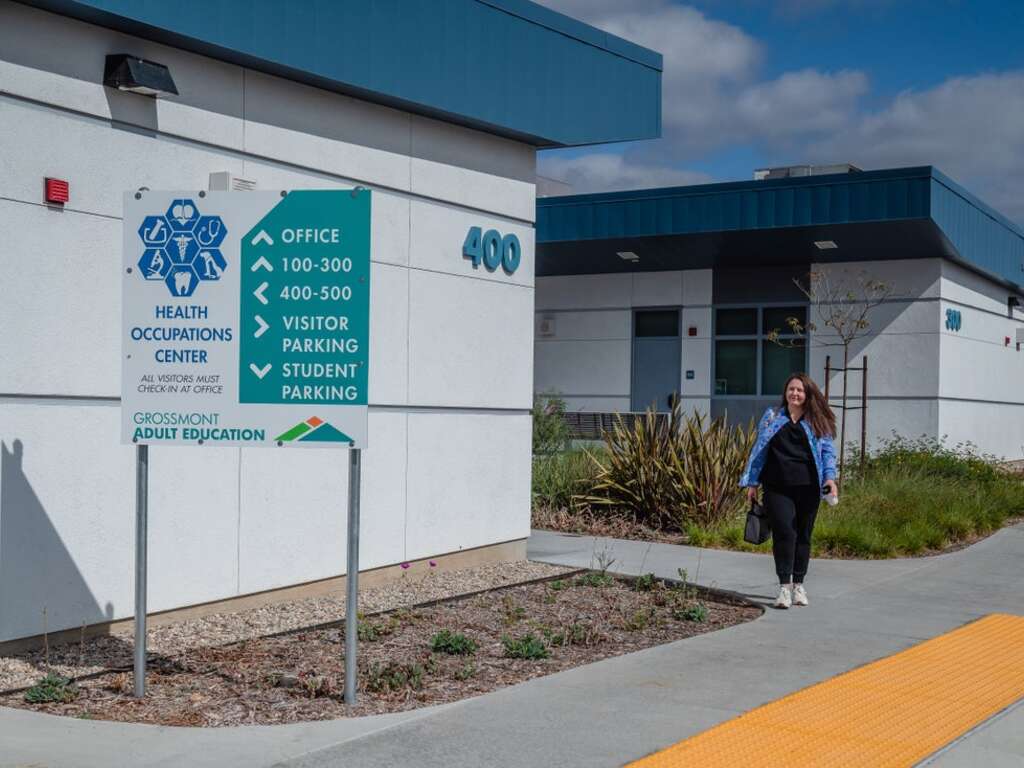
141,513
352,579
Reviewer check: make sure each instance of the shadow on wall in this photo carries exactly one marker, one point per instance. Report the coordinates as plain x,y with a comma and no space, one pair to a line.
36,569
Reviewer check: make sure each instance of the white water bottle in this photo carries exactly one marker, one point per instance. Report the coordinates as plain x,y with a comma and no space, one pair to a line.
830,498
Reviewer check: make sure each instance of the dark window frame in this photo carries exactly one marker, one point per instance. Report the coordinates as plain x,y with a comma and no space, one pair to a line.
759,338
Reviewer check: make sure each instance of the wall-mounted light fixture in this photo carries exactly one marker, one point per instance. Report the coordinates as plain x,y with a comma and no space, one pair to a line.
825,245
130,73
628,256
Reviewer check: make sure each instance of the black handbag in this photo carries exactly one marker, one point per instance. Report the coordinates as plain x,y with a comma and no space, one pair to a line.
758,530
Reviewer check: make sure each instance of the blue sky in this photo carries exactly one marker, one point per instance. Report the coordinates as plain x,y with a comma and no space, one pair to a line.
878,83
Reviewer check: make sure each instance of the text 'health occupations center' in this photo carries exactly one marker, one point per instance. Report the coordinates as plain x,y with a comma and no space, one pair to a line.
417,123
645,294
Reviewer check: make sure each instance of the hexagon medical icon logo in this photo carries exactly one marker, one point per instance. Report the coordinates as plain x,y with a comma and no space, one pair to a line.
182,248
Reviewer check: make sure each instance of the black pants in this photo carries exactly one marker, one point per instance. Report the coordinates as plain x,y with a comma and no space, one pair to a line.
792,511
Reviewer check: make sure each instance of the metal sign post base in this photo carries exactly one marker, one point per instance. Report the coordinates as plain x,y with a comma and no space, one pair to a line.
352,580
141,513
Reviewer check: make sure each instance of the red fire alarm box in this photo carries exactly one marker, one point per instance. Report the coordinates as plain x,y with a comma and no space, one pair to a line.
692,330
57,191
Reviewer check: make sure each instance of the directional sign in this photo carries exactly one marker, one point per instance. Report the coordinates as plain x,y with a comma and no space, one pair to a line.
246,318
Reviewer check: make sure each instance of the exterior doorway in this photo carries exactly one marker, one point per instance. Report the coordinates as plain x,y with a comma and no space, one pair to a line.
657,351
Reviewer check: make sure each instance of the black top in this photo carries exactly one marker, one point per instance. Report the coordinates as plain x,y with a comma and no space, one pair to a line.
789,458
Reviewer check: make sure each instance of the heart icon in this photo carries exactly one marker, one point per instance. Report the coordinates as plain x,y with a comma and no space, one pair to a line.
183,212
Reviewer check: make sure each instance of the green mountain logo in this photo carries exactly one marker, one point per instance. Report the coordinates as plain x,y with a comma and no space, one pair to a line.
313,429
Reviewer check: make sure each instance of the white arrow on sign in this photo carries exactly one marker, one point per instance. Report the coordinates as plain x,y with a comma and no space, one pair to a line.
262,263
262,237
258,293
263,326
260,372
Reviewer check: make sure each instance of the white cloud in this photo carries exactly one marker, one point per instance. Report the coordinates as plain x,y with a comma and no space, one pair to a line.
710,92
711,95
599,172
714,98
972,128
800,103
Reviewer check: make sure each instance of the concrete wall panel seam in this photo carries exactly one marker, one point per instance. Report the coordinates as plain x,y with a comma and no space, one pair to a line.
240,155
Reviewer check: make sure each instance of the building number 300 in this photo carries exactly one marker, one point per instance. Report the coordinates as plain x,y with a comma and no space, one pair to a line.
493,249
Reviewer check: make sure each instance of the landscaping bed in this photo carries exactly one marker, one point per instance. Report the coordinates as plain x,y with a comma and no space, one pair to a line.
678,482
409,658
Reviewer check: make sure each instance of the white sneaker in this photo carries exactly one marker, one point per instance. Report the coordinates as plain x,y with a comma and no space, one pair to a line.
799,595
785,598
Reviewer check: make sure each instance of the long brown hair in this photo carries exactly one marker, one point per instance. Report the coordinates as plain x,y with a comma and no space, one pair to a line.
816,408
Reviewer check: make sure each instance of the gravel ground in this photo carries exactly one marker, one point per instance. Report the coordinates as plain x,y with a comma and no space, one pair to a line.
408,658
75,659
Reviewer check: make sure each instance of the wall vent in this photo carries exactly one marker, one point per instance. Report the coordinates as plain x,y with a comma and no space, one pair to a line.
225,181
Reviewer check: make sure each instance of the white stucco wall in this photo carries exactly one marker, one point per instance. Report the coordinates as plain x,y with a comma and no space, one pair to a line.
451,346
587,359
924,380
901,344
981,382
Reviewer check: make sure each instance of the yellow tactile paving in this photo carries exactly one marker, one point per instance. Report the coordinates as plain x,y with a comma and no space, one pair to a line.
892,712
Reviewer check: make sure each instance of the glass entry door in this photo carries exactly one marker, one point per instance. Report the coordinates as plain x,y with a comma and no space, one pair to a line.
657,359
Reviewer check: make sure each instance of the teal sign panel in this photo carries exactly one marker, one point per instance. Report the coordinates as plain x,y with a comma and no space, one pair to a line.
305,301
246,318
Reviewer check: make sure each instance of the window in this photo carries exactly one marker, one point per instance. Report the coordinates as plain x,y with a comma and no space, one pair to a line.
736,367
736,322
781,319
779,361
657,323
747,362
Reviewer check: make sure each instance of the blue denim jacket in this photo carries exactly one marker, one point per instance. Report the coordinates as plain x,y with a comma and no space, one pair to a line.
774,419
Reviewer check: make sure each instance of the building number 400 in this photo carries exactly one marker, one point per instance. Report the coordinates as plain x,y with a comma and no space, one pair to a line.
493,249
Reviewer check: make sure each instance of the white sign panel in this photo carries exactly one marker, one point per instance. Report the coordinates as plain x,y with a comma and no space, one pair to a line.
246,318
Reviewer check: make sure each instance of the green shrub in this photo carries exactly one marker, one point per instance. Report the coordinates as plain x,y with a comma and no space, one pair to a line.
52,689
550,430
372,631
708,469
912,497
527,646
644,583
639,620
697,612
595,579
466,671
394,676
671,471
557,477
926,457
576,633
453,643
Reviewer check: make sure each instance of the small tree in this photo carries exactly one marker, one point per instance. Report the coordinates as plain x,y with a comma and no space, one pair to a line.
551,433
842,304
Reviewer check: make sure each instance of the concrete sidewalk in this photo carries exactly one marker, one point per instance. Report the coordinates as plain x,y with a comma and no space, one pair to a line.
608,713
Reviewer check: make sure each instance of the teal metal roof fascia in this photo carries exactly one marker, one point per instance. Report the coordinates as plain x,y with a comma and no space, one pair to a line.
984,239
509,67
982,236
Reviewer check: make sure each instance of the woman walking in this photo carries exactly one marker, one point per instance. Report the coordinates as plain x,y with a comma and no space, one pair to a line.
795,460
